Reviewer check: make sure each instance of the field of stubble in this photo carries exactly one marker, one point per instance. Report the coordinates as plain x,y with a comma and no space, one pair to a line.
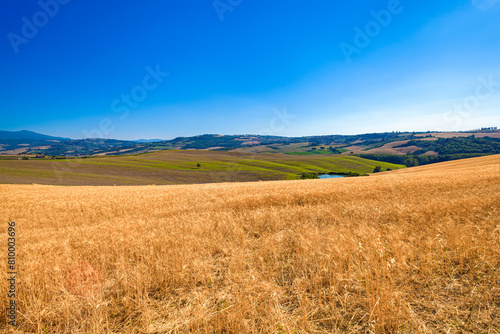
409,251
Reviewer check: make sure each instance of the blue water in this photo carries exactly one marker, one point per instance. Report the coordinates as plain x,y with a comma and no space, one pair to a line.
328,176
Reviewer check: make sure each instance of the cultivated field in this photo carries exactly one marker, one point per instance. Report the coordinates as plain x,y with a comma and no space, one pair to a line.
495,134
179,167
409,251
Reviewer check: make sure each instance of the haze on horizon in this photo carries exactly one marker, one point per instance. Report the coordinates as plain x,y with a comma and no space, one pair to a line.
162,70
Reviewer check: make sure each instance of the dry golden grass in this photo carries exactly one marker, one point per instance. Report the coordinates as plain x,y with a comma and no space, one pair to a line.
410,251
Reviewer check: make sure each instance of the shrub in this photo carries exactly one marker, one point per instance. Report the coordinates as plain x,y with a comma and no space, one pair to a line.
304,176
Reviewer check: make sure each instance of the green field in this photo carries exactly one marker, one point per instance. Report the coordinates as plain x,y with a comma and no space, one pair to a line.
180,167
294,149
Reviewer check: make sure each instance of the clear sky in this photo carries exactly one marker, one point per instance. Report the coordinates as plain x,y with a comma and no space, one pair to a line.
162,69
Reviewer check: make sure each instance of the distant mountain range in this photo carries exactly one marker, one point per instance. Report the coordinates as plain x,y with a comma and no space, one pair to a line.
30,135
479,142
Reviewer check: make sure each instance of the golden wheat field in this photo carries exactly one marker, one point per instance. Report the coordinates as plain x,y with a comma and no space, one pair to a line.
408,251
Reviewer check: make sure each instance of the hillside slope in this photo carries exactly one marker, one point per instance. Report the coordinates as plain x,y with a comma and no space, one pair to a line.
179,167
409,251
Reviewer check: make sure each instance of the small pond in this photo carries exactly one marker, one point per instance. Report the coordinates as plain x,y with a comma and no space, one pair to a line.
330,176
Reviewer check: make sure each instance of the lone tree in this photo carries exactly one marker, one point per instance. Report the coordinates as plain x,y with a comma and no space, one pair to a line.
198,165
377,169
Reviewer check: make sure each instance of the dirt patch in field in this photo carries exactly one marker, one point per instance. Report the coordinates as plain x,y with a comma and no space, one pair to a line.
355,149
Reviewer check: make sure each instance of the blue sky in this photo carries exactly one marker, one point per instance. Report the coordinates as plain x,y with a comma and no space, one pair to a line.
92,69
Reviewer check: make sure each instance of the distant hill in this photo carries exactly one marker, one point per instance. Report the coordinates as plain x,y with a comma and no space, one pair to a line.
148,140
27,142
28,135
394,147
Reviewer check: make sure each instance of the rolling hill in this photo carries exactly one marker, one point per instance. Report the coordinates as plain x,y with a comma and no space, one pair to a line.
405,148
409,251
180,167
22,142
